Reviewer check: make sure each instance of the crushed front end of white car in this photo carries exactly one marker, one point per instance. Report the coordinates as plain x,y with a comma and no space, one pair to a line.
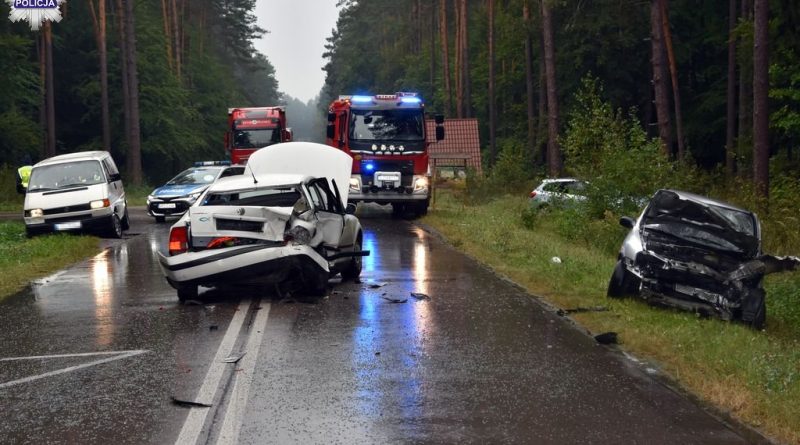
265,227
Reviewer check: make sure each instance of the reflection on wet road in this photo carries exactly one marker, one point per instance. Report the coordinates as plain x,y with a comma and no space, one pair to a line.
473,360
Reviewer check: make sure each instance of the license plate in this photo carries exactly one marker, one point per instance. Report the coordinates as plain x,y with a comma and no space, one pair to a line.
170,205
68,226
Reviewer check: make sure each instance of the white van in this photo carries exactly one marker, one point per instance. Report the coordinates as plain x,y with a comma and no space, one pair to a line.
76,192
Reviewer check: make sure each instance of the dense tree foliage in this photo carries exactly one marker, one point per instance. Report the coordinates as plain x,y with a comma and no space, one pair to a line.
194,61
393,45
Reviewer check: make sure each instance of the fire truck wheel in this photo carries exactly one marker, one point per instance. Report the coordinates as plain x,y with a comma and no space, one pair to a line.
398,208
422,207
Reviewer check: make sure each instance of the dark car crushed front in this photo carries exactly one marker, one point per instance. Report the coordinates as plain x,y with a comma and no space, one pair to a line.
696,253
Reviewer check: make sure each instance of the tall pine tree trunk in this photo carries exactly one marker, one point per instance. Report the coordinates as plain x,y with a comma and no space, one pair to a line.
50,114
529,85
99,23
659,83
459,61
553,150
443,40
135,148
167,33
465,77
673,71
176,36
123,63
730,114
744,135
492,100
760,98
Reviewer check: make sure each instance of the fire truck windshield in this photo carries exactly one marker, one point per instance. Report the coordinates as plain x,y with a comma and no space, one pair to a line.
256,138
387,125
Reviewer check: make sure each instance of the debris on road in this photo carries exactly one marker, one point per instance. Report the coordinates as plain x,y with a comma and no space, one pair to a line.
555,260
189,403
420,296
606,338
395,300
579,309
233,358
376,285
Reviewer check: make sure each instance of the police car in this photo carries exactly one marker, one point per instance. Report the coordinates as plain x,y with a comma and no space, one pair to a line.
176,196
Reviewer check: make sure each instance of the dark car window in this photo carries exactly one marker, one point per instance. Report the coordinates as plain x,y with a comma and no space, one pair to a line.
266,197
195,176
232,171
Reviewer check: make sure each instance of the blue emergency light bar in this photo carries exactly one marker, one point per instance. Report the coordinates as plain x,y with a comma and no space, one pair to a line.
209,163
361,99
369,166
411,100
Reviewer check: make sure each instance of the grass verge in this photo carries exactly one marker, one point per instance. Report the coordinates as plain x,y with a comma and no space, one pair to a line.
23,259
755,376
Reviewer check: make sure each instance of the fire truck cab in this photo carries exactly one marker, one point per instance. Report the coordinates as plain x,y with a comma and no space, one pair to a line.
385,135
252,128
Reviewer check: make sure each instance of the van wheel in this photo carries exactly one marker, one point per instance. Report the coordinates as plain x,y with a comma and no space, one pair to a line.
115,229
126,221
187,292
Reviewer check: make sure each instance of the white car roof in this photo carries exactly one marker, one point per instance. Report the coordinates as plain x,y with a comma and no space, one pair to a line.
302,158
78,156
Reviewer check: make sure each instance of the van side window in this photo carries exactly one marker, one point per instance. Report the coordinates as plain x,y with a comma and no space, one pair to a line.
106,169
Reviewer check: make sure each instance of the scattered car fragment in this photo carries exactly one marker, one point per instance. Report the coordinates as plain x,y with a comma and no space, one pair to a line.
699,254
283,220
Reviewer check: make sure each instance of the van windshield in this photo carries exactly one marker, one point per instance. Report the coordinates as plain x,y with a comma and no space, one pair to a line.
69,174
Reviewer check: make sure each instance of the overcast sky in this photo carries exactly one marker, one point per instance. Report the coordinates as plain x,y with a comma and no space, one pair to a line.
296,41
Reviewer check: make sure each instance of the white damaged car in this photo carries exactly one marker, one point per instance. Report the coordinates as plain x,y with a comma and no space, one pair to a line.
282,222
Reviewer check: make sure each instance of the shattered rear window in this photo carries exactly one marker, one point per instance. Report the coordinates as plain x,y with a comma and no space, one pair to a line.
266,197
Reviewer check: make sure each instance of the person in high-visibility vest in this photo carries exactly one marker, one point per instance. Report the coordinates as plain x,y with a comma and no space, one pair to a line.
23,176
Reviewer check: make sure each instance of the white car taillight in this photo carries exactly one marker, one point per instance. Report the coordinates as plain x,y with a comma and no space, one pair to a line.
178,240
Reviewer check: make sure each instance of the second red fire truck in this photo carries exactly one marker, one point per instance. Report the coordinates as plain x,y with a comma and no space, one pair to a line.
252,128
386,136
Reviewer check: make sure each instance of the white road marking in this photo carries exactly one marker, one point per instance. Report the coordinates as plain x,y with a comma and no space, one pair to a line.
120,355
234,414
193,426
80,354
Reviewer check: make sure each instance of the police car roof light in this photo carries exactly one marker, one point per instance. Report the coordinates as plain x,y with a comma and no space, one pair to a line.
207,163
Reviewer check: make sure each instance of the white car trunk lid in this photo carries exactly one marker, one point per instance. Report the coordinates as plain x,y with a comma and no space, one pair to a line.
264,223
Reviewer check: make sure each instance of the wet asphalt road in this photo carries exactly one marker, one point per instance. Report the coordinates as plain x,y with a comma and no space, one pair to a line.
479,361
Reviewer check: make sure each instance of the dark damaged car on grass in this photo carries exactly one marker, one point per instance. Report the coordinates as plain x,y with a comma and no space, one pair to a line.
699,254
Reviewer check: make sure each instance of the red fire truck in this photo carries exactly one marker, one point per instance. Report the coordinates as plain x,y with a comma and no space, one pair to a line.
252,128
385,135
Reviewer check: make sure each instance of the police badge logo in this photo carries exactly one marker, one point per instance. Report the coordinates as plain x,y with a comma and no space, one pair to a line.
35,12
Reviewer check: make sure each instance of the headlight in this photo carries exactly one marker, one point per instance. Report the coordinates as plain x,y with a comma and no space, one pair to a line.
37,213
355,184
421,184
151,198
99,204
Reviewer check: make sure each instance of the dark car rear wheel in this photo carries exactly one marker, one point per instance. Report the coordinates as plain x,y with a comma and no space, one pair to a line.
754,308
622,282
353,269
187,292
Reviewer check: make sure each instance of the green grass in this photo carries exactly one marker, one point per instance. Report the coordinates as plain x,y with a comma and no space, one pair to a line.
753,375
23,259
